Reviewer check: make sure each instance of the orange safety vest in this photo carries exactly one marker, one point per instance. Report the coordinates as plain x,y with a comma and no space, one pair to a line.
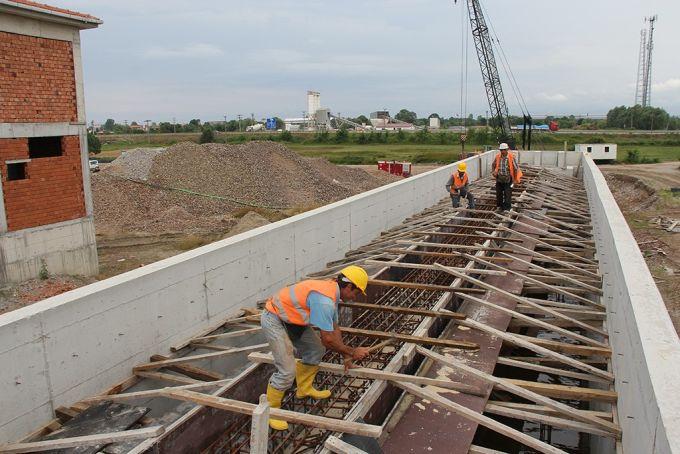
459,182
290,303
516,174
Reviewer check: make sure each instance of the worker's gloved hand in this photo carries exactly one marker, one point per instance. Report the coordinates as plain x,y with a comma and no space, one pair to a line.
512,185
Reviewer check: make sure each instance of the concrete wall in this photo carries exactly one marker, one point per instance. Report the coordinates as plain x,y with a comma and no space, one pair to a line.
66,248
646,348
76,344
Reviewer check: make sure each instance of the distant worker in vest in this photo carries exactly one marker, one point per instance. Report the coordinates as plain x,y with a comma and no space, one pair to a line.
507,173
287,323
457,187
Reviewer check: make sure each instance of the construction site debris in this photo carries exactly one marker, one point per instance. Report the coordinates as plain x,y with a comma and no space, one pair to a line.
134,164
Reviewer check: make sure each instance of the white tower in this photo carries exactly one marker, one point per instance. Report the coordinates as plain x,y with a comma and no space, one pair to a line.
313,103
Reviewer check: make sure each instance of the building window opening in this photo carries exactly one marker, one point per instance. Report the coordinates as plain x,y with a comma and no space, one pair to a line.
44,147
606,149
16,171
590,149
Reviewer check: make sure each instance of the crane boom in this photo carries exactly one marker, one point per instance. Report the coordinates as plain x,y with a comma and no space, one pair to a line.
487,63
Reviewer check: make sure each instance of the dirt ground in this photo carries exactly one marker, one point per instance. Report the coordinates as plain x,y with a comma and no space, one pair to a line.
644,196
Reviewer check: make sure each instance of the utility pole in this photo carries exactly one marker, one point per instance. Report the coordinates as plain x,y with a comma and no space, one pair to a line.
239,122
225,124
174,125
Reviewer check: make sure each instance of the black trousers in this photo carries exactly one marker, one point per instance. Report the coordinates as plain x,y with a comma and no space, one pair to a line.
504,195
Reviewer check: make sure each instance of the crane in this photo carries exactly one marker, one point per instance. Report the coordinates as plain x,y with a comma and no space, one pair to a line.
491,78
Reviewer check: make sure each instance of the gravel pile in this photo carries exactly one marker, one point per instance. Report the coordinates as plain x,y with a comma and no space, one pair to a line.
266,175
135,163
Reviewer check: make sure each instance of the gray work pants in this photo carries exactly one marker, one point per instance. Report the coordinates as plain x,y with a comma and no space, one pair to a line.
308,348
462,192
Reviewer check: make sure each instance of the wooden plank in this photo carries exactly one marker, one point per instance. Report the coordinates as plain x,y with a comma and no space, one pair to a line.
336,445
516,340
188,359
246,408
458,235
259,427
540,360
203,332
453,246
230,335
552,421
195,372
419,266
87,440
567,392
364,372
519,299
534,321
521,391
549,370
51,426
404,310
580,269
485,421
441,254
418,286
170,378
606,415
474,449
421,340
559,290
564,347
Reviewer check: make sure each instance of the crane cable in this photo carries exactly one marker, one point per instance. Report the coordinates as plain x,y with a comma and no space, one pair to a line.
506,65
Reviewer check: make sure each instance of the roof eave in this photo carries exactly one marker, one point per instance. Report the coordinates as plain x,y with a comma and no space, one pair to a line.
59,17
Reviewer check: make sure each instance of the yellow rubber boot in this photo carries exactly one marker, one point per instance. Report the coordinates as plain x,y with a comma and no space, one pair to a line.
305,378
274,397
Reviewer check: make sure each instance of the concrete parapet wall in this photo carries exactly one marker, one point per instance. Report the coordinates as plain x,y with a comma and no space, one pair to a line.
646,348
66,248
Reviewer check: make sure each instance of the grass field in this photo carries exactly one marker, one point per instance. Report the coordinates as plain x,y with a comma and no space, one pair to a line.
664,148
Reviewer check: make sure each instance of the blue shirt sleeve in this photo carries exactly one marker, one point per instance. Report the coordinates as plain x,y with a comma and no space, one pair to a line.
323,312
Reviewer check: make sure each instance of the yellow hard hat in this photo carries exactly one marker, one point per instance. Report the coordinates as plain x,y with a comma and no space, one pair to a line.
357,276
462,166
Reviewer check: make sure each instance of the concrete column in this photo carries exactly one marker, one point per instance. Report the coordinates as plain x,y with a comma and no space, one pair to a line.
3,215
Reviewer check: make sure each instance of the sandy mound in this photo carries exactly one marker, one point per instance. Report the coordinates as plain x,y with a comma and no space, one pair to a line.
250,221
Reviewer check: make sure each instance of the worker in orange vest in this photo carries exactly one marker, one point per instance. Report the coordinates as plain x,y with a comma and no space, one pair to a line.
457,186
507,173
287,323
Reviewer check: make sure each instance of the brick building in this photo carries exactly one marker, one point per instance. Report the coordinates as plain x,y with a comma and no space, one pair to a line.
45,200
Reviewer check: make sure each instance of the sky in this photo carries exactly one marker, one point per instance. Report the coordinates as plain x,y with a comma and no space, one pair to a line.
160,60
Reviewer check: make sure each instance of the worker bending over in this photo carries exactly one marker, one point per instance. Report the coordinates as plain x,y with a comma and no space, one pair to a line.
287,323
507,173
457,186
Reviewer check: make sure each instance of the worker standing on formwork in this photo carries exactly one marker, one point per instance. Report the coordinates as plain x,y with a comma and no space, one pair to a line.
507,173
457,186
287,323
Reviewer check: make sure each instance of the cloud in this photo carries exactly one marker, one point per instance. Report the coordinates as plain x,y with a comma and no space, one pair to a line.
198,50
668,85
557,97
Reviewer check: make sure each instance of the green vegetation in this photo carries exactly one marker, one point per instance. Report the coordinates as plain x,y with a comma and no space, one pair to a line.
634,157
94,145
208,135
346,147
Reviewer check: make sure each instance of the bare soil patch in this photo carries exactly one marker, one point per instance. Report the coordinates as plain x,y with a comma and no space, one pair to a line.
643,194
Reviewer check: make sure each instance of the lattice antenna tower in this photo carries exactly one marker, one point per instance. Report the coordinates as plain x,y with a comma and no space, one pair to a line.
642,62
643,95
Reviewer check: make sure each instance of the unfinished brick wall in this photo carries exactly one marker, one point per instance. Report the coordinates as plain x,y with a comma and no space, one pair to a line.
53,188
37,80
